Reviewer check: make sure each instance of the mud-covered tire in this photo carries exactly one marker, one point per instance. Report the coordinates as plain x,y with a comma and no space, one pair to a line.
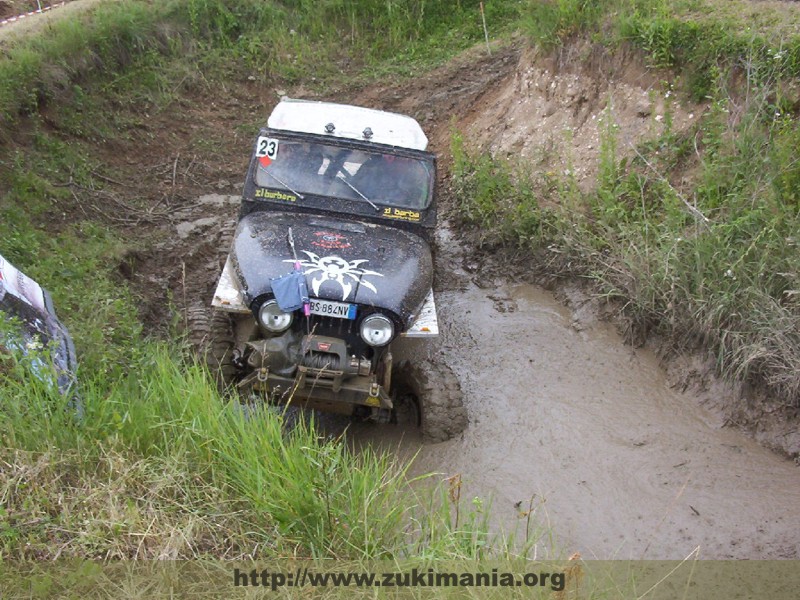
438,394
211,336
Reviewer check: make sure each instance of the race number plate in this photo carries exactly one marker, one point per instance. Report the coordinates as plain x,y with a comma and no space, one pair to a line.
326,308
267,147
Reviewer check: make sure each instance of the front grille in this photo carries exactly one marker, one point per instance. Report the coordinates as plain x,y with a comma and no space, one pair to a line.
343,329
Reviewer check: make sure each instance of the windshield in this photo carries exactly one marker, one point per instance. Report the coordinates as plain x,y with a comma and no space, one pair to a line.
318,169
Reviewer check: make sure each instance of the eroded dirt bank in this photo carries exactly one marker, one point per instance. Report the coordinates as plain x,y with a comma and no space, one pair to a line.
561,410
564,417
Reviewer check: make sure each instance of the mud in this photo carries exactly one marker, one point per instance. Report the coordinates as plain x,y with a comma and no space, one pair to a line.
590,437
565,419
589,432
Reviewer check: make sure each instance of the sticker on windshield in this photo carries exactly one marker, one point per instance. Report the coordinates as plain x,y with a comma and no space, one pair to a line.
266,150
404,215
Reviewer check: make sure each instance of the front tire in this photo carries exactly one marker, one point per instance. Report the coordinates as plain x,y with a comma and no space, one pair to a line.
211,336
437,392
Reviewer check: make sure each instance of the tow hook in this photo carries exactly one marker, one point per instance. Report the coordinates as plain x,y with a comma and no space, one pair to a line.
374,399
257,379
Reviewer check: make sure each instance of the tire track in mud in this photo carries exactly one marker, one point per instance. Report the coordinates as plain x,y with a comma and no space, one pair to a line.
567,419
564,417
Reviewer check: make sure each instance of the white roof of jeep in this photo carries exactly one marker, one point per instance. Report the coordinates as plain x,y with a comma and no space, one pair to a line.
309,116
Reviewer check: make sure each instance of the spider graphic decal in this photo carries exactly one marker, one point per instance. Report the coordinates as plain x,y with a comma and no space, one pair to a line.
335,268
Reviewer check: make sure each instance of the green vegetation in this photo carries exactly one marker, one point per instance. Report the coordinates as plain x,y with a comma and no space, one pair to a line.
67,256
288,39
700,38
712,263
159,465
161,453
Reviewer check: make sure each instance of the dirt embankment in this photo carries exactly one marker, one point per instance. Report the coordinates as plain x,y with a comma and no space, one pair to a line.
565,419
619,456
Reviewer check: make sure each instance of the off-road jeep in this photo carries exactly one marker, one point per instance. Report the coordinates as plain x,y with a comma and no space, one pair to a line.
331,268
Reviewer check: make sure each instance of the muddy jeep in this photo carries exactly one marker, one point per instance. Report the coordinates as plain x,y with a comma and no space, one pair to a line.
330,272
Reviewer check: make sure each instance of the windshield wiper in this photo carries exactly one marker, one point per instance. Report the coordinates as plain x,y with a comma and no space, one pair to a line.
340,175
286,185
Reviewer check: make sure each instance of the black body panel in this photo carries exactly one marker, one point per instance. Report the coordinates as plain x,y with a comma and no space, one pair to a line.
344,261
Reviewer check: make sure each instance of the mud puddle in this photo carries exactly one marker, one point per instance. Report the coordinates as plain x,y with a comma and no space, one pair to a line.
587,431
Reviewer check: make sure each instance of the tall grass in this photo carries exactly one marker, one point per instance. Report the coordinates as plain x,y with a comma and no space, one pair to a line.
712,265
170,444
552,22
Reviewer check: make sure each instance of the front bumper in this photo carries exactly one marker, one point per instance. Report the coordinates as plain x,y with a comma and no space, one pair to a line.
316,391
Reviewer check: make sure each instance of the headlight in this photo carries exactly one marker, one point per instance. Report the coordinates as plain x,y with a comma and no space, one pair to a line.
377,330
272,318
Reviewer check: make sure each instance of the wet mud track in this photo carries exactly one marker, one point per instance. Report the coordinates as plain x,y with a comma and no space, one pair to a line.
588,432
567,419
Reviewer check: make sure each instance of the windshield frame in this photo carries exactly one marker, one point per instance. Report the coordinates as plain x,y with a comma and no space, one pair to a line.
259,188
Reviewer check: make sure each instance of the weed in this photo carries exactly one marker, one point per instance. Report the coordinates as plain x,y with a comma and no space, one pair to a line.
713,265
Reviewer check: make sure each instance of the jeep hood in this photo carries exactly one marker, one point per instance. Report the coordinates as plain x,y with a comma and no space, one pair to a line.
344,261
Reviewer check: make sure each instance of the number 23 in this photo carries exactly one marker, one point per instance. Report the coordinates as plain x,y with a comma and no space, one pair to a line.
267,147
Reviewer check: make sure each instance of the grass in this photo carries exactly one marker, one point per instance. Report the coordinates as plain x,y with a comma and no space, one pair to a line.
159,465
289,39
699,38
162,466
44,239
712,263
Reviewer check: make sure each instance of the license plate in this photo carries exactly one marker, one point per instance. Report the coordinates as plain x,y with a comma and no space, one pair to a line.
327,308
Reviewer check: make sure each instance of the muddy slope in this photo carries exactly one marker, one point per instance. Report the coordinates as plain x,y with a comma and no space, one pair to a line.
563,415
